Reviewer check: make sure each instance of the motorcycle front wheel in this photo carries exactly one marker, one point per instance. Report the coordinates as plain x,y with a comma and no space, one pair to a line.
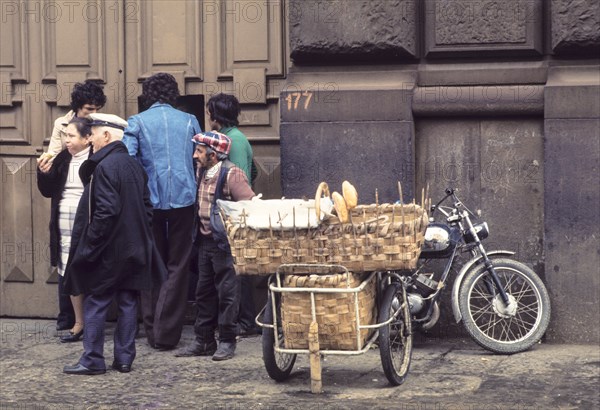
497,326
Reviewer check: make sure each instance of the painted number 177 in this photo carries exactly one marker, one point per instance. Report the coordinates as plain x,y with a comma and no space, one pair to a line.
293,100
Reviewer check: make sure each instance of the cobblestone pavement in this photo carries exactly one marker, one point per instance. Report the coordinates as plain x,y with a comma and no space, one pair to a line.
445,375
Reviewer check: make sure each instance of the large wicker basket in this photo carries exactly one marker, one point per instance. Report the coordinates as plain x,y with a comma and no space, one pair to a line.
335,312
377,237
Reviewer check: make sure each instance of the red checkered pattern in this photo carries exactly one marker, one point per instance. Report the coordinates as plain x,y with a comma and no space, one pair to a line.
215,140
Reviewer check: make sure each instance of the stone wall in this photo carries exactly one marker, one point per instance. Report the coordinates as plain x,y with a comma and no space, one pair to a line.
499,99
572,201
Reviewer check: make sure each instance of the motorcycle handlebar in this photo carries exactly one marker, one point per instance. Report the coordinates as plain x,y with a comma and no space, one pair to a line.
448,191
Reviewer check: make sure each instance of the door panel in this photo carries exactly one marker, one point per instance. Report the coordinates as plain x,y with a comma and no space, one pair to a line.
46,48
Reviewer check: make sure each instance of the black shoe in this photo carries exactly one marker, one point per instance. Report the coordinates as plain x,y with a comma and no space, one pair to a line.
122,368
64,326
225,351
198,349
72,337
163,348
247,332
81,369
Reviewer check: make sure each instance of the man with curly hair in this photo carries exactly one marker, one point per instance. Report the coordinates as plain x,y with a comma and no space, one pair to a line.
160,138
86,98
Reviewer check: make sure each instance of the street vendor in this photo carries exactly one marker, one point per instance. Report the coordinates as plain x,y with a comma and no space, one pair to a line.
217,291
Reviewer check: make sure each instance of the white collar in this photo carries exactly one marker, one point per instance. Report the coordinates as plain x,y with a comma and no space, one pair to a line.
212,171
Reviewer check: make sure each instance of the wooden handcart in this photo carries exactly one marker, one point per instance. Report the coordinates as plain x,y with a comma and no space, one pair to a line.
304,315
333,289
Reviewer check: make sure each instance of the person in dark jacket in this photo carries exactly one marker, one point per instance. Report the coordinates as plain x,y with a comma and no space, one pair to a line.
59,180
112,246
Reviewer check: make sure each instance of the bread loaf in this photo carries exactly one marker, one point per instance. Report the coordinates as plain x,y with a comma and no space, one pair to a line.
340,207
350,195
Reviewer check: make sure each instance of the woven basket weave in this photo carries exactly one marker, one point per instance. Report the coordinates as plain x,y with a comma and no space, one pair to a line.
377,237
336,312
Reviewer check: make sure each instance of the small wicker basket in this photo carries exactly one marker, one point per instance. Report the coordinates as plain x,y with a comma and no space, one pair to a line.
377,237
335,312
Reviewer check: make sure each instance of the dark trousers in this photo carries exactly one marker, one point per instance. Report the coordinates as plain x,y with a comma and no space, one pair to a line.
247,311
217,294
66,315
163,309
95,308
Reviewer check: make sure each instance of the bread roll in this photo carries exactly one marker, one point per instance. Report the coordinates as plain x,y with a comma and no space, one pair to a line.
45,156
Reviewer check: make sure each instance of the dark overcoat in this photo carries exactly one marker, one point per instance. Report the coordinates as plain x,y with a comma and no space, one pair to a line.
112,245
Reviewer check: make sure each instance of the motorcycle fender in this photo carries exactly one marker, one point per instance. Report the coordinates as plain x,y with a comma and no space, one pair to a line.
463,272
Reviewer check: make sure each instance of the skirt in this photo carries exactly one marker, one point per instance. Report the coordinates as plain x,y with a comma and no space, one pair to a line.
66,219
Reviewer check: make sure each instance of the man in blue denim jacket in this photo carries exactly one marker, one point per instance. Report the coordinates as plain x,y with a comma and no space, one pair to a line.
160,138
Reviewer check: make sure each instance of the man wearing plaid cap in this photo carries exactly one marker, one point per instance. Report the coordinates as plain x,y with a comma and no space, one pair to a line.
217,291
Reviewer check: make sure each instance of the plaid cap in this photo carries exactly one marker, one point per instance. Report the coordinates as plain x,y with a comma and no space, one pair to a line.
218,142
107,120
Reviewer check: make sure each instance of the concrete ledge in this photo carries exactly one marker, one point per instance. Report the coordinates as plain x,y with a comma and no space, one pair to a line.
478,100
364,95
572,92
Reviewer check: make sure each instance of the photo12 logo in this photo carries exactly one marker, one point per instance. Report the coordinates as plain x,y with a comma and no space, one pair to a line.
69,11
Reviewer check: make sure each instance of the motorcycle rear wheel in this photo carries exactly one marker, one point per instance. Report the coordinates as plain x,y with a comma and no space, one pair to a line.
395,338
495,326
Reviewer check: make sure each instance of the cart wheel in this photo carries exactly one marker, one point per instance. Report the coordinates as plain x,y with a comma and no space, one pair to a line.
395,338
278,365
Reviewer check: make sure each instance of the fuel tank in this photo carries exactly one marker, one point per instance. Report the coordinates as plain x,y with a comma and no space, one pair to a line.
440,241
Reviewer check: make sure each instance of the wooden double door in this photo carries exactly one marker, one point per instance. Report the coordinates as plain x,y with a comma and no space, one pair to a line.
228,46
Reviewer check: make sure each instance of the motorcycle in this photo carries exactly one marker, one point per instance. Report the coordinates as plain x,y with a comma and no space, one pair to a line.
502,303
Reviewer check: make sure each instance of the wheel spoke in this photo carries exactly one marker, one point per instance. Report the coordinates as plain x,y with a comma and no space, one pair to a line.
489,325
482,310
523,323
523,294
531,310
508,330
509,282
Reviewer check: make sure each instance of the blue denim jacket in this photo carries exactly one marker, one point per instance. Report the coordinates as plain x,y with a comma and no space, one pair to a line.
161,140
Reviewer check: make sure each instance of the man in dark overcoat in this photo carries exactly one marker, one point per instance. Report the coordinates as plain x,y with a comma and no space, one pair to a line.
112,246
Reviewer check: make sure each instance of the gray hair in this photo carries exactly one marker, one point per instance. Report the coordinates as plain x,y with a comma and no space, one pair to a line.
220,155
115,133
